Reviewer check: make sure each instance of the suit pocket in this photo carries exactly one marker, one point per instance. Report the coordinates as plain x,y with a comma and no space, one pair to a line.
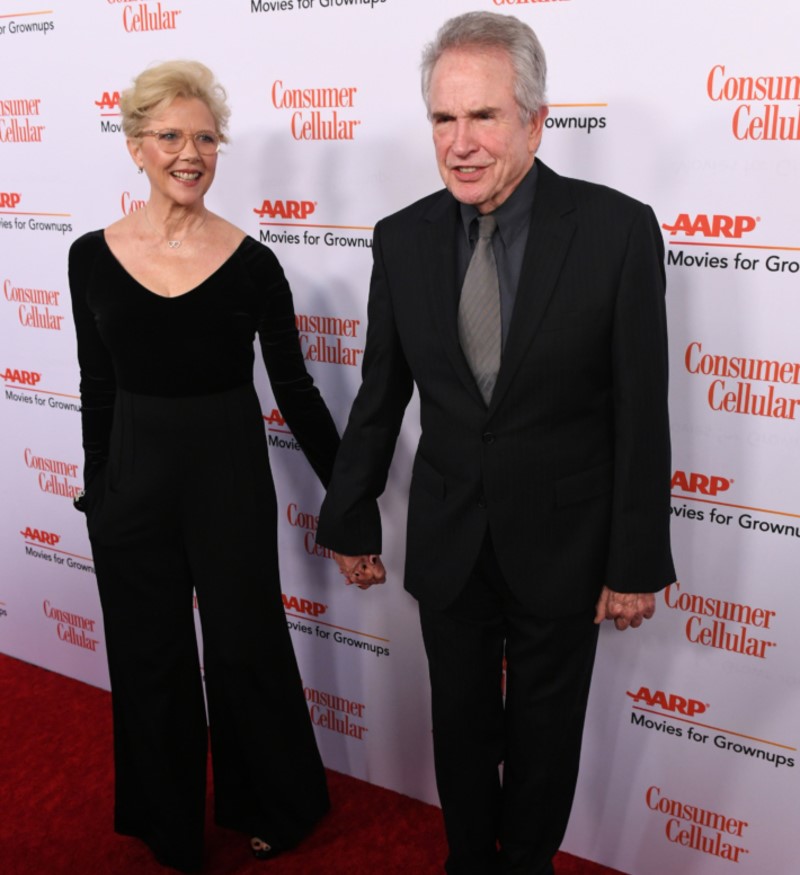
585,485
427,478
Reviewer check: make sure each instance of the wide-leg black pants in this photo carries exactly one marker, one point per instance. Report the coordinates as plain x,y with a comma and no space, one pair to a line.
509,821
186,502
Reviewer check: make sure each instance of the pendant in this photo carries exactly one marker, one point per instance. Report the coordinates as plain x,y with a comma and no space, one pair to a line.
173,244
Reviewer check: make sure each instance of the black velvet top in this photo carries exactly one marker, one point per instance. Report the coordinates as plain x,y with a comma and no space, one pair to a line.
197,343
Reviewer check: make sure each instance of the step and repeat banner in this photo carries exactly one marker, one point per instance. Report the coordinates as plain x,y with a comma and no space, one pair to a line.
690,763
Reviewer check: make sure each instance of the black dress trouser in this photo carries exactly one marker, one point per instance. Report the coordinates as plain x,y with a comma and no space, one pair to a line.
510,819
186,502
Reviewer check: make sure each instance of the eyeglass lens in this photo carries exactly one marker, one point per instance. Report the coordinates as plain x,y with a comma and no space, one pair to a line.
206,142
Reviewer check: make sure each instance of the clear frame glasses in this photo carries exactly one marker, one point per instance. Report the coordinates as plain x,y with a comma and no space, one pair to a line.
172,140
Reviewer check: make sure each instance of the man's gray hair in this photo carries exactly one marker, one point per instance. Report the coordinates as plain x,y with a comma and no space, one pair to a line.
491,30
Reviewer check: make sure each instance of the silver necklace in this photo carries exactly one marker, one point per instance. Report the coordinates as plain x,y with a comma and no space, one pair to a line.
174,244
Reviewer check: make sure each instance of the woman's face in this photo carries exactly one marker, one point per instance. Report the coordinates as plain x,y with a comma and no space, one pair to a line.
185,176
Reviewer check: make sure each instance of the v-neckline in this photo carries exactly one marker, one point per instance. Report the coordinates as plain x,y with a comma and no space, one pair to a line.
182,294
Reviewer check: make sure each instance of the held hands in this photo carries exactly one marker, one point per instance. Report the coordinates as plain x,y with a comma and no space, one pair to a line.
363,571
625,608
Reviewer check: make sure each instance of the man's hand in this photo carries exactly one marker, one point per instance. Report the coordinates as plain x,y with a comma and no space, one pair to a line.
625,608
363,571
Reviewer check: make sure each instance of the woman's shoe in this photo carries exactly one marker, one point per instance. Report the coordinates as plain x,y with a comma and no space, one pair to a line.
263,850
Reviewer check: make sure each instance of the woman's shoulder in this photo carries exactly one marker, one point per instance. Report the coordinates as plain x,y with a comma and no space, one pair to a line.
84,251
87,243
98,241
259,260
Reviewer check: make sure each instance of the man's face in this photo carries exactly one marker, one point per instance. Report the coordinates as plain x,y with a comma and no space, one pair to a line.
483,148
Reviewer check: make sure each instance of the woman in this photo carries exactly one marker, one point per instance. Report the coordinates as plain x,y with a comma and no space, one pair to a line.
179,494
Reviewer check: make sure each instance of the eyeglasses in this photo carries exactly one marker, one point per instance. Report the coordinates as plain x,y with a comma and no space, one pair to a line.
172,140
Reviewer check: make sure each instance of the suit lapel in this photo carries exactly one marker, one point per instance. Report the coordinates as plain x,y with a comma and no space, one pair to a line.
551,230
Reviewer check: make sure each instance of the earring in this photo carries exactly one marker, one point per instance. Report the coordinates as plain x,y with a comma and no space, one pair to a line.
141,168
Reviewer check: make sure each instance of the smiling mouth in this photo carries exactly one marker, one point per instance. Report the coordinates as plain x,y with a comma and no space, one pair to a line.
186,175
467,169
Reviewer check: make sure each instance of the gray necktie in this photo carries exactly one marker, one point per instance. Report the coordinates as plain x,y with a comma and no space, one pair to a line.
479,311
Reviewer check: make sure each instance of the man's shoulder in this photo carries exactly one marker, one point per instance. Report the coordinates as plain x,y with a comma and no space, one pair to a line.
426,207
584,193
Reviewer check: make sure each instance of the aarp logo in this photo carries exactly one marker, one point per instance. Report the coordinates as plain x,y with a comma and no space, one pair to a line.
108,103
285,209
9,199
303,606
704,484
50,539
21,378
668,702
714,226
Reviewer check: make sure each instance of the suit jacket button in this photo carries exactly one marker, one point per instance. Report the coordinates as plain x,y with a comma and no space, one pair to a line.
488,438
482,503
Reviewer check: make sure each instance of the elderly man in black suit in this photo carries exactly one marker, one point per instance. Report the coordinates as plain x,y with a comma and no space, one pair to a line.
528,309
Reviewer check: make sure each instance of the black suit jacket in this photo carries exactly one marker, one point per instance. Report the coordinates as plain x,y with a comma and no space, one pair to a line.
569,468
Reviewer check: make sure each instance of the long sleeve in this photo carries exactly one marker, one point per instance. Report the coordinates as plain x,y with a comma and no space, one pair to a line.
97,381
349,520
639,547
297,397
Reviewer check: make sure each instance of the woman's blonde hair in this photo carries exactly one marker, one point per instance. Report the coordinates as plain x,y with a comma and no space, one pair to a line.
158,86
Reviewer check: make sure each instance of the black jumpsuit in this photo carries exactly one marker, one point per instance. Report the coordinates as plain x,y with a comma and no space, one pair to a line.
179,496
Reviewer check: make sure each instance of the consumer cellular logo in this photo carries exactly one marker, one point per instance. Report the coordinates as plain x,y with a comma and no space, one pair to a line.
336,713
699,829
72,628
36,308
306,523
54,475
767,107
20,120
146,17
317,113
735,627
745,385
330,339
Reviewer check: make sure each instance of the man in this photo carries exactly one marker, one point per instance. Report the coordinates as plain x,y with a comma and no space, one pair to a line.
539,501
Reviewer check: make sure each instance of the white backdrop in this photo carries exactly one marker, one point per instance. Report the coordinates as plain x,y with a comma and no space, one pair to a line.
690,759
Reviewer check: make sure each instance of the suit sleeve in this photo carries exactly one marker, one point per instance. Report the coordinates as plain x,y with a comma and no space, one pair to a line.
350,520
639,553
98,385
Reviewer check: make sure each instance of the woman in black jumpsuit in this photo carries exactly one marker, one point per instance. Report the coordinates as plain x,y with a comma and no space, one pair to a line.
179,495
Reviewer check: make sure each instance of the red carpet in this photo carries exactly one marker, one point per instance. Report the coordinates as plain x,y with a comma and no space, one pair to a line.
56,802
